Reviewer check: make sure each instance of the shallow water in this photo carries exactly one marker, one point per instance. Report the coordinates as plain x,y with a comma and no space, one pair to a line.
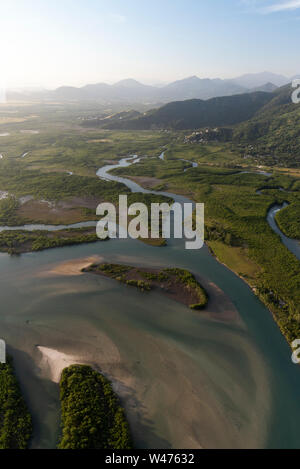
185,379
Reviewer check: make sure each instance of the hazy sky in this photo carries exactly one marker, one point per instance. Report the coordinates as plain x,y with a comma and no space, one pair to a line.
54,42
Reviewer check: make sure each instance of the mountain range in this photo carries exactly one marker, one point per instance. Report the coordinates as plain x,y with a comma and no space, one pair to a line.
265,124
189,114
130,91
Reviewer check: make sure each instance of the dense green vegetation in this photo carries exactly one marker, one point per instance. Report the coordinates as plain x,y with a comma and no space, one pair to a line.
273,135
188,281
20,181
115,271
8,210
44,172
92,417
288,220
15,420
16,242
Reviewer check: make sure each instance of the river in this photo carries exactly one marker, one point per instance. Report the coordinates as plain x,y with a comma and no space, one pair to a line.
292,244
186,379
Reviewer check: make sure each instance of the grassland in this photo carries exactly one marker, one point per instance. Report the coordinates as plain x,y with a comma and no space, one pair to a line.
217,154
236,258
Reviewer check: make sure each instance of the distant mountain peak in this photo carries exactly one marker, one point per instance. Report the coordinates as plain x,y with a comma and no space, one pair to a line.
192,78
128,83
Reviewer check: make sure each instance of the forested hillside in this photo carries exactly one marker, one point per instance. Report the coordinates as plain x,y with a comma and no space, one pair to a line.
195,113
274,132
265,126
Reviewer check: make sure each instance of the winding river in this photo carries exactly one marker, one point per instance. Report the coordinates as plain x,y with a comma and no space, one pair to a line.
187,380
104,173
292,244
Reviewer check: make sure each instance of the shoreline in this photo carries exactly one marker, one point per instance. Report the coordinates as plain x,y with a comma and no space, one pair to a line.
178,284
72,267
219,306
54,362
272,313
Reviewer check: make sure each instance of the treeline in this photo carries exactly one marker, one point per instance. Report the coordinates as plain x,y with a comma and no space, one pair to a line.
8,211
273,134
16,242
219,233
92,417
288,220
188,281
15,419
196,113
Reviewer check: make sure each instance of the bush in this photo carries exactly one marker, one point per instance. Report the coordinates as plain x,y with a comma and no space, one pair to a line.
92,416
15,419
